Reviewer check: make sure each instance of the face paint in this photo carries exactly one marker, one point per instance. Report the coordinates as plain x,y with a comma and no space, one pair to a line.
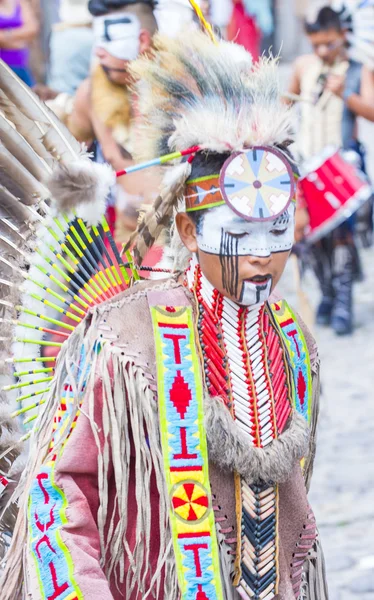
255,293
229,260
224,233
118,34
246,213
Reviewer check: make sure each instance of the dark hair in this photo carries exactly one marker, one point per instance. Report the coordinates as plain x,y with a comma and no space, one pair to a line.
327,19
205,163
98,8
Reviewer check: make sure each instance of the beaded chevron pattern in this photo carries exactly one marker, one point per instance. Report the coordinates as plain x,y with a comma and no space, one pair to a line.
245,363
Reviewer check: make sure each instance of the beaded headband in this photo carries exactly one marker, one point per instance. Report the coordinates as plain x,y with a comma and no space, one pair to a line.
258,185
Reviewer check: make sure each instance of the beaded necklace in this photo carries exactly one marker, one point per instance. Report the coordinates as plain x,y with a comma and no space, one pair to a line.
246,365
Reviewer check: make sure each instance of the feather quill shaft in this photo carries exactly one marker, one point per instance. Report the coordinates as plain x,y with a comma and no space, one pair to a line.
22,151
19,181
56,138
29,129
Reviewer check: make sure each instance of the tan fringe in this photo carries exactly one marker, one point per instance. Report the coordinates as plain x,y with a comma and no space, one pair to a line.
314,583
128,407
226,567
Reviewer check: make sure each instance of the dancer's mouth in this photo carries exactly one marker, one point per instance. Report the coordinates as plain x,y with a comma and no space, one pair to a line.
259,279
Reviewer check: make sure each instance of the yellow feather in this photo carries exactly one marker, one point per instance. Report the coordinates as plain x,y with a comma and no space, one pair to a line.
207,26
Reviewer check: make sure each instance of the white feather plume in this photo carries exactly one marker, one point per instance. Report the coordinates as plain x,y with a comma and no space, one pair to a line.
199,93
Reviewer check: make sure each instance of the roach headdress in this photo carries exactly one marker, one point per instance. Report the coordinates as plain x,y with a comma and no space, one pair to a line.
198,92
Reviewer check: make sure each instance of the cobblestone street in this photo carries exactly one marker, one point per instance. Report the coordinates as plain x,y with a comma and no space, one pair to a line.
342,493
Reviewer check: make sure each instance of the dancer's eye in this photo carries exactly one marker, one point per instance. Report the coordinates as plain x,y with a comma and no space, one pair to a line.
278,232
237,235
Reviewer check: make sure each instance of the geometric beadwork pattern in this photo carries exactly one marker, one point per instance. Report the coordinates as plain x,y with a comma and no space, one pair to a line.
299,357
185,455
48,504
203,193
47,514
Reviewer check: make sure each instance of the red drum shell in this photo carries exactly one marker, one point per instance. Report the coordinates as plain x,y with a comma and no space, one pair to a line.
333,192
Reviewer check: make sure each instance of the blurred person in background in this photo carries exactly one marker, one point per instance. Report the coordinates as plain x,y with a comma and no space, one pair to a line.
103,109
173,16
335,91
70,47
219,13
18,27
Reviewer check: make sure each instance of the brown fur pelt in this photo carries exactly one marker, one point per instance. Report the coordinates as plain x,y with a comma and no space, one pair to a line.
111,104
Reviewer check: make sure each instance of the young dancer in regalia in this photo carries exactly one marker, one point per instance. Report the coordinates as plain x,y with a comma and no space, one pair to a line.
174,451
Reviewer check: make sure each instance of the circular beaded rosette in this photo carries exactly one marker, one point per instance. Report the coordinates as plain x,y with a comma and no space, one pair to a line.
258,184
190,501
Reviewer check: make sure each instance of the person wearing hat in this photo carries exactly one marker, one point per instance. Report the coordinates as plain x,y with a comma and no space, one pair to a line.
103,108
166,461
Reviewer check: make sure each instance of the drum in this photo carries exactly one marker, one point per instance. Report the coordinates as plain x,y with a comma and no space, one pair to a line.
333,189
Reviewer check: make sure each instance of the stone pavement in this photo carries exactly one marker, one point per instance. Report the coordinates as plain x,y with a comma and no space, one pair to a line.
342,492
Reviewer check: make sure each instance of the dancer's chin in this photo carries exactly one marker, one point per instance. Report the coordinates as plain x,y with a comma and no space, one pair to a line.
255,292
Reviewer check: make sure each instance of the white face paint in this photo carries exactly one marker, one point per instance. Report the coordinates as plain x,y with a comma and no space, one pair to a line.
255,293
223,232
118,34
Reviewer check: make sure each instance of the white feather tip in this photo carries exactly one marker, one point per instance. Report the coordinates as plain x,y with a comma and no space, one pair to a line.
83,187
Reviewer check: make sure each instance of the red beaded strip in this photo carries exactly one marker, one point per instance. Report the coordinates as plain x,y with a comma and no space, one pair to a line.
215,360
279,374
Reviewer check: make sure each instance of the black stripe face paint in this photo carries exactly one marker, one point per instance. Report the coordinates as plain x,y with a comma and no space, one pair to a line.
229,260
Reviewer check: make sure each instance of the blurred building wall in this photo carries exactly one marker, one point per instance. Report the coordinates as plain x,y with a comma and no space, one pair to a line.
289,32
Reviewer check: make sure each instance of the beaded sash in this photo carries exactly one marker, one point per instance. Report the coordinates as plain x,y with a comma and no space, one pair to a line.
184,448
247,363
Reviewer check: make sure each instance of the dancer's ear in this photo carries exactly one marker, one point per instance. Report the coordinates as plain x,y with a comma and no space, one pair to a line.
187,231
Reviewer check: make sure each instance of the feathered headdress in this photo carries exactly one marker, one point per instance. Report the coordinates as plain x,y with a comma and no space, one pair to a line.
358,16
195,92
